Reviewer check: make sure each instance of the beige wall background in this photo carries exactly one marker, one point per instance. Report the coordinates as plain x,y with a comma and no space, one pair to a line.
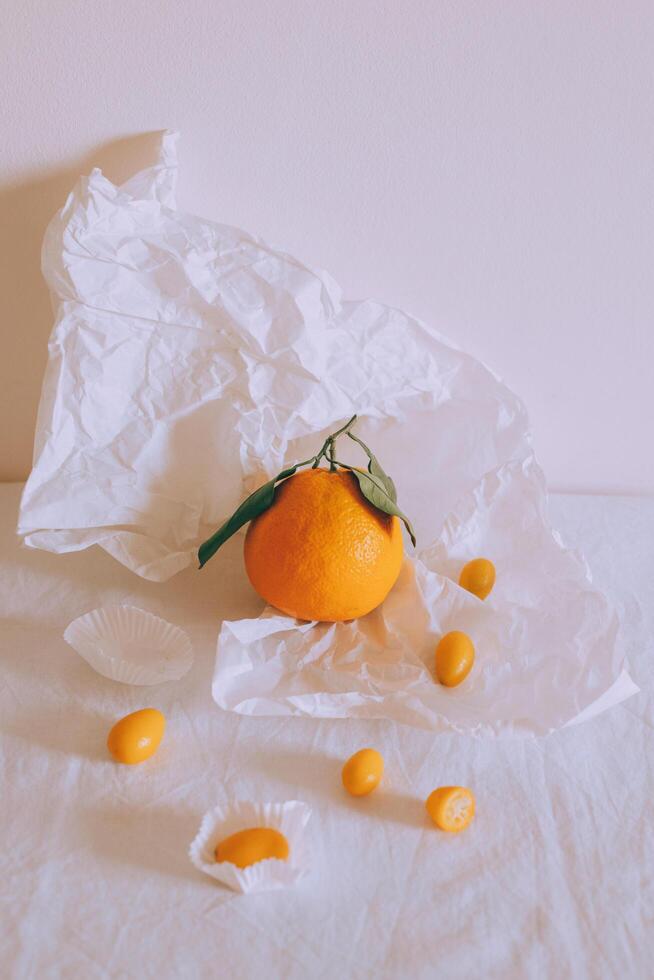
486,166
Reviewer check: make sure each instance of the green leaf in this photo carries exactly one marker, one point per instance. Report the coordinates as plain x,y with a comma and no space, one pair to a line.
374,467
375,491
252,506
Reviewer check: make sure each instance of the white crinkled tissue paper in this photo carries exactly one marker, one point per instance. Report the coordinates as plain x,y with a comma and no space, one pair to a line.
189,362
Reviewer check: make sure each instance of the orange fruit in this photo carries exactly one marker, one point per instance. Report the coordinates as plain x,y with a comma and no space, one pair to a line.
321,551
246,847
455,656
478,577
137,736
362,772
451,808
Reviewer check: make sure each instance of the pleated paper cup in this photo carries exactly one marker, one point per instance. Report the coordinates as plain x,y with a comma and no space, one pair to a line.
289,818
130,645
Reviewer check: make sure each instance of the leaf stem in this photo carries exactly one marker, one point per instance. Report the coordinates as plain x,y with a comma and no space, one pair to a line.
361,443
330,453
329,443
306,462
344,428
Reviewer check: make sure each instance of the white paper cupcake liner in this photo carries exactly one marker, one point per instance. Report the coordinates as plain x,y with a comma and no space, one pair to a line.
289,818
130,645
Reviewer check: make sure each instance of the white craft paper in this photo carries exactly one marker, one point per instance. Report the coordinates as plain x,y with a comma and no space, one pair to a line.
273,874
189,362
130,645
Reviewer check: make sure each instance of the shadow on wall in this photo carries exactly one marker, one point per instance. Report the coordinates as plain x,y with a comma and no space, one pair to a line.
26,317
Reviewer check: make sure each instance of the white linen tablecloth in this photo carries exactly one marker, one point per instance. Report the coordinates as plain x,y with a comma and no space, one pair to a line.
555,877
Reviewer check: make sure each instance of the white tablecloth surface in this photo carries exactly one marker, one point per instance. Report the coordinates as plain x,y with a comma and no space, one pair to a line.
555,878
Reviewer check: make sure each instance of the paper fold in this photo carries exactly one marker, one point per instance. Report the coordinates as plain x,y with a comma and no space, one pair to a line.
190,361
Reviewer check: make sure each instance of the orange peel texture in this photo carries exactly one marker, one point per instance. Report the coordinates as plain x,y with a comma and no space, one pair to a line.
321,551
